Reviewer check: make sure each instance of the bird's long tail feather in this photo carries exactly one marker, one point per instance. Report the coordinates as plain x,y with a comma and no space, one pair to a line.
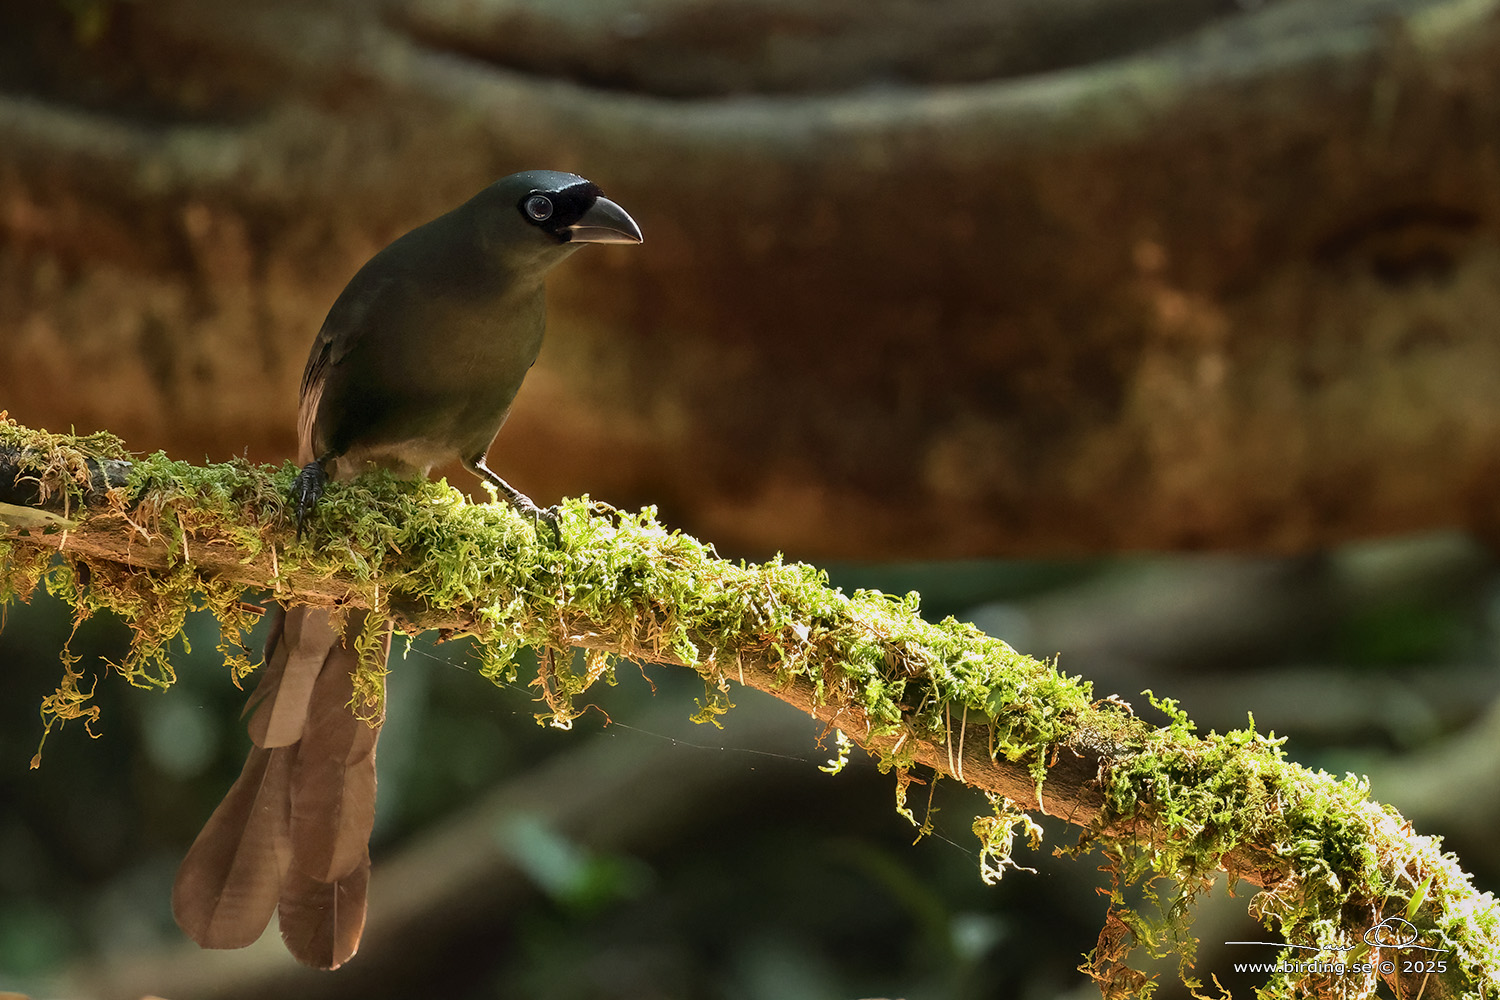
292,836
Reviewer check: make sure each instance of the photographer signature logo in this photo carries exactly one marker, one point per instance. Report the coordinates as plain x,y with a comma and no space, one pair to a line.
1391,933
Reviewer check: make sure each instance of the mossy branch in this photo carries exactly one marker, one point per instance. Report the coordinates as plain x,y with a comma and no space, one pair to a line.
151,539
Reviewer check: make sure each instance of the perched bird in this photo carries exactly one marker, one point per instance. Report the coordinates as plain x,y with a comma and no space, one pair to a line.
416,365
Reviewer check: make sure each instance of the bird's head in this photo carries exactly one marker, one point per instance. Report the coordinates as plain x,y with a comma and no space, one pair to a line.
540,216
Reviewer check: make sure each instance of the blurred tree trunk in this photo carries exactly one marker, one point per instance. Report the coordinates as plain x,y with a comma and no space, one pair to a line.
961,278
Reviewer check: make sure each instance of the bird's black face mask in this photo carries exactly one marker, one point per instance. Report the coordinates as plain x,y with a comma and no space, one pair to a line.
578,213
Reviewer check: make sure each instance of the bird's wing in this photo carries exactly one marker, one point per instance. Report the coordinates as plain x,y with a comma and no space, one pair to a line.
361,303
364,297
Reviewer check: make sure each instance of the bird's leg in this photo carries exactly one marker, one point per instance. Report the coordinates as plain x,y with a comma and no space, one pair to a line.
519,501
306,489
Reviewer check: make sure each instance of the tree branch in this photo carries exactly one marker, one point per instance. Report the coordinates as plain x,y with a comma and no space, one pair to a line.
1338,870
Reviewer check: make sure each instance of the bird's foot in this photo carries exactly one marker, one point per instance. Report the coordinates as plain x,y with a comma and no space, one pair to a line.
549,516
306,489
519,502
552,518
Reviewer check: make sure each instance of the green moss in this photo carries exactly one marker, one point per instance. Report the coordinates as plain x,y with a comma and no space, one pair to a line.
1344,858
620,584
997,834
58,463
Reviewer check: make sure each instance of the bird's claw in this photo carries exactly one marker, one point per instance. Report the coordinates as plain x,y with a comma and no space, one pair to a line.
306,489
552,517
549,516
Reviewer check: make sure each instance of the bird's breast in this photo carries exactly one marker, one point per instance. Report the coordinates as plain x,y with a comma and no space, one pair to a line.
432,384
471,345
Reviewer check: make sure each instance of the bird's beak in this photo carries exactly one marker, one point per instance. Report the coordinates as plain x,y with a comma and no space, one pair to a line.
605,222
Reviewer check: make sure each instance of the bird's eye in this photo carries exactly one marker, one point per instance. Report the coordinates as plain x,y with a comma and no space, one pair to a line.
539,208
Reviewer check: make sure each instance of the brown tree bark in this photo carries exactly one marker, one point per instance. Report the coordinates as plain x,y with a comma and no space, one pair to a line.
1228,280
